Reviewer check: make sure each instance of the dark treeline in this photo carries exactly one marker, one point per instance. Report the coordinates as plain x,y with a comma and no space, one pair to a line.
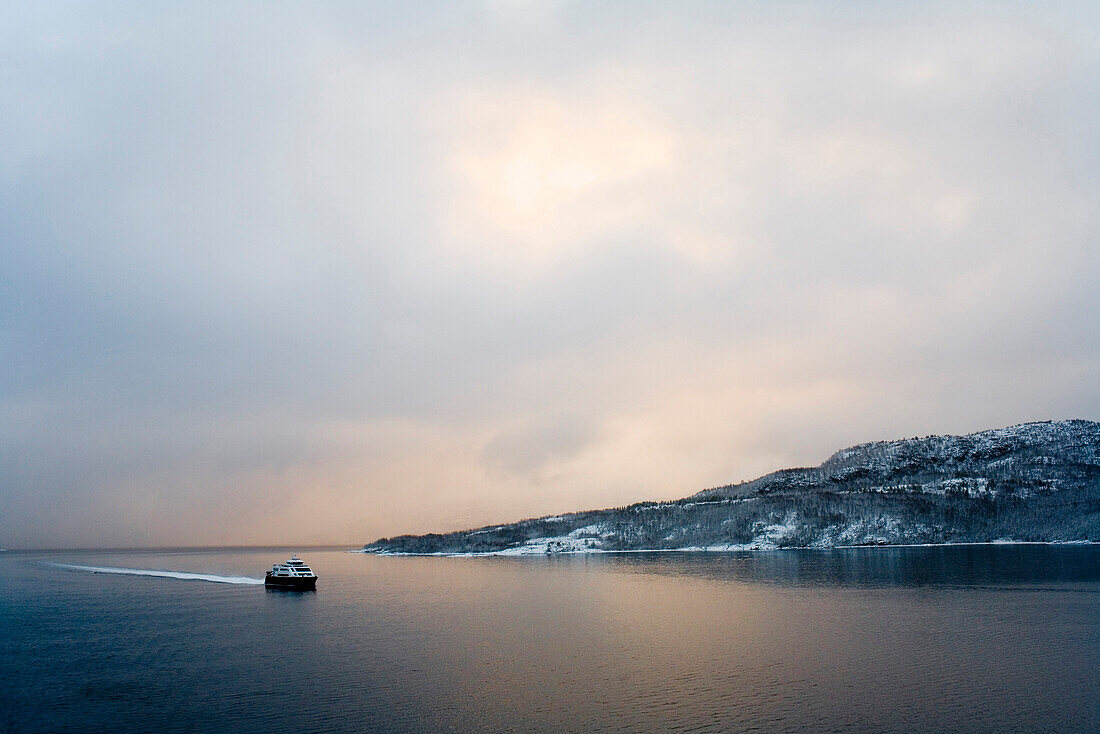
1035,482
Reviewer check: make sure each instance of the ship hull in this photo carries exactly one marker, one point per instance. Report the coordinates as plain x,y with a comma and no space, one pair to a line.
290,583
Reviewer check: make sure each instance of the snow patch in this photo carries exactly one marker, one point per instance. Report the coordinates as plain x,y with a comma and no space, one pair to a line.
582,540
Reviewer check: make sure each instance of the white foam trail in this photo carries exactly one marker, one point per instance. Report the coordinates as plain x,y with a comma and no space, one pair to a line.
165,574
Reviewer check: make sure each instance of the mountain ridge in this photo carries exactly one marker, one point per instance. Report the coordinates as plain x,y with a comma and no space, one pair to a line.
1031,482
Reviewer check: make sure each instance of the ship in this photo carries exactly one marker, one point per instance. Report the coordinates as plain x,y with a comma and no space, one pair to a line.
294,575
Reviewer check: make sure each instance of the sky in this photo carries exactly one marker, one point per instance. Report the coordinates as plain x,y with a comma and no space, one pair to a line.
325,272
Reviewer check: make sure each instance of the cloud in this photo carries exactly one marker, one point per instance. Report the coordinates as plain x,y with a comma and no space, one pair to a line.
539,175
332,273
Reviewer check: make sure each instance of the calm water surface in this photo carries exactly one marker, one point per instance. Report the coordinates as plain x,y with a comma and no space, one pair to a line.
960,639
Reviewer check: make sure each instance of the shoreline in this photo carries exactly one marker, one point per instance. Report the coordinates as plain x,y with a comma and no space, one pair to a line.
521,551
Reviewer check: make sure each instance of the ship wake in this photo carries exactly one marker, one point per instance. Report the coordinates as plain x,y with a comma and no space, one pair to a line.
181,575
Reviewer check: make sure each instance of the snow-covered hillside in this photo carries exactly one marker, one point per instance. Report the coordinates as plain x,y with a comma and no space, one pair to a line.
1031,482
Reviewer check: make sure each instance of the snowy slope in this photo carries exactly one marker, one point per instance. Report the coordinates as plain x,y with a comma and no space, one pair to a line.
1031,482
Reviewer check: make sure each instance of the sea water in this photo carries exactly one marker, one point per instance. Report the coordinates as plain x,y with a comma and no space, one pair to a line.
940,639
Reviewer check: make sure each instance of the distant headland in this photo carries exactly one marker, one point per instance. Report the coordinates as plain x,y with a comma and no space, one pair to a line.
1034,482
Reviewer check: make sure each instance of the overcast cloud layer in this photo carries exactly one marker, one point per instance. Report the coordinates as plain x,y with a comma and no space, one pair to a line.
276,273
